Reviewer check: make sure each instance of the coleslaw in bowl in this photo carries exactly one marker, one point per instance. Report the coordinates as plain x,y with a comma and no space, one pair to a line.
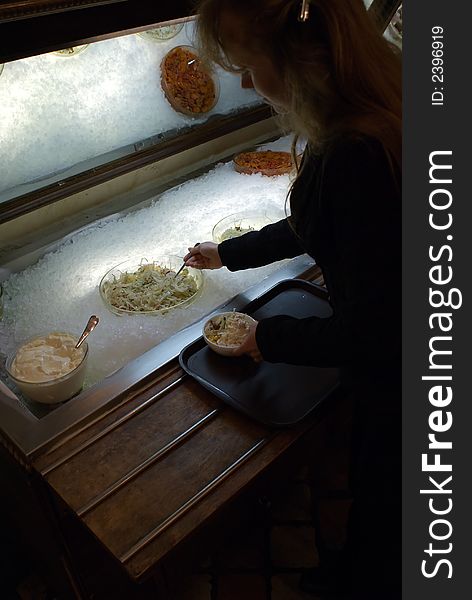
139,286
225,332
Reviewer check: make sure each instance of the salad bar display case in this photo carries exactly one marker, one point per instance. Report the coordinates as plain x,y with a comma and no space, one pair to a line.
121,171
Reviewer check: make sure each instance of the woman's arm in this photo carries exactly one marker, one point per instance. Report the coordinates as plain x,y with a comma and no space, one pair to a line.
257,248
254,249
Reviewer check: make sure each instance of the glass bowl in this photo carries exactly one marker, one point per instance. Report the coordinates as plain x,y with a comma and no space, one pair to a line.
241,223
213,325
72,51
161,34
170,263
55,390
189,86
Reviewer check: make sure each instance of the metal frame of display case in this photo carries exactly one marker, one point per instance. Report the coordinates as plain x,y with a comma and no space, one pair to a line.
216,127
12,11
38,26
29,36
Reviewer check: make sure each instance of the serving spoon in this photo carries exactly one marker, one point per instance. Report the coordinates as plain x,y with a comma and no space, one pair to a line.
197,244
91,324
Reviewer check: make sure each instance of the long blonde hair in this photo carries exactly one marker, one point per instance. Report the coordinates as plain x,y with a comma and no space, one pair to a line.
341,75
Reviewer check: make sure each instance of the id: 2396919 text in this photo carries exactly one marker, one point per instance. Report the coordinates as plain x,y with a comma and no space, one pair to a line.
437,65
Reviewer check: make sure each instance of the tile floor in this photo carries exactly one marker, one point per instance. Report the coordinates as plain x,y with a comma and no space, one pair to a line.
265,562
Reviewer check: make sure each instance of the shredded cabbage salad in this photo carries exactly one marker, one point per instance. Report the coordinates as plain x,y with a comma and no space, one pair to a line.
227,330
150,288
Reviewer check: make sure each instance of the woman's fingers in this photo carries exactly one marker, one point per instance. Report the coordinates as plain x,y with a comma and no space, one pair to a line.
192,252
249,346
197,262
194,258
256,356
203,256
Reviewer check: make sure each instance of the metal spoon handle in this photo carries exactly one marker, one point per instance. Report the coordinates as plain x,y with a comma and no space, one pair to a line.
197,244
179,271
92,323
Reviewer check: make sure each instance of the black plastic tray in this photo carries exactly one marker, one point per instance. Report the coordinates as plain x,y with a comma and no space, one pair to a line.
274,394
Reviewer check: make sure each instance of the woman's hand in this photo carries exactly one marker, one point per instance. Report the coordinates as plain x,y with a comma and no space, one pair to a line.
203,256
249,346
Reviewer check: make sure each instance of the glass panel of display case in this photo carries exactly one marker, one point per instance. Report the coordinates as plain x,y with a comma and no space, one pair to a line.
66,112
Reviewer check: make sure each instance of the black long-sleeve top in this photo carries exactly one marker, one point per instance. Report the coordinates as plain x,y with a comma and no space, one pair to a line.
346,210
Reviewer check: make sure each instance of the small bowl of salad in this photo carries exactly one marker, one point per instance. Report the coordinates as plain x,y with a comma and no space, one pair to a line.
225,332
240,223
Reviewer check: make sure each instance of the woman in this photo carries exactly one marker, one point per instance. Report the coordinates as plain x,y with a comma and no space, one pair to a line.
338,83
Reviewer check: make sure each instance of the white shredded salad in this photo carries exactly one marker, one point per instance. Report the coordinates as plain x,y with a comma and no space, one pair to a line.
150,288
227,330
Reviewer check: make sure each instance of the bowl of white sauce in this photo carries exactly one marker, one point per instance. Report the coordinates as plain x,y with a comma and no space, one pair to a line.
49,368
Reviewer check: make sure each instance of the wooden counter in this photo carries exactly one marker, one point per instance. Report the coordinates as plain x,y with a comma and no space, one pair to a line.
147,474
